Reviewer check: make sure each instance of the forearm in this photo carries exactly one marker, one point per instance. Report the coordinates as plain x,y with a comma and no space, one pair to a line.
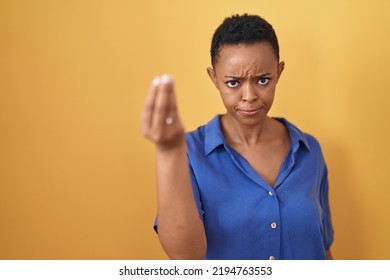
180,228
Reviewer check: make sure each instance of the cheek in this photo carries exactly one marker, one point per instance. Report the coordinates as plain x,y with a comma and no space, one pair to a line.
229,99
267,94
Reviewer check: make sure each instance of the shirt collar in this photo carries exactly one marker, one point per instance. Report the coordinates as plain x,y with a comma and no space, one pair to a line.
296,135
214,136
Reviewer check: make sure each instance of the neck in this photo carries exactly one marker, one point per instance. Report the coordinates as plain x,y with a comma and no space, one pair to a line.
239,134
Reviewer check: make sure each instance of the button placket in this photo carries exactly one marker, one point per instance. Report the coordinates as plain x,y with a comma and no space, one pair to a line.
274,224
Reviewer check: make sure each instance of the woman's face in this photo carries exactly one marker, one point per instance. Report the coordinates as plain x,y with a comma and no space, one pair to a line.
246,76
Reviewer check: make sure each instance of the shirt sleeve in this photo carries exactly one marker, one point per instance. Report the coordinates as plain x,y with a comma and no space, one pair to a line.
326,217
196,192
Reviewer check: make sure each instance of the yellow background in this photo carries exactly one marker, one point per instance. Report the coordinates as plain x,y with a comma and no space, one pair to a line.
76,177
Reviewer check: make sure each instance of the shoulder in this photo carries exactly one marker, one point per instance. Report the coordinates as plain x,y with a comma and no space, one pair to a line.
308,147
205,138
196,137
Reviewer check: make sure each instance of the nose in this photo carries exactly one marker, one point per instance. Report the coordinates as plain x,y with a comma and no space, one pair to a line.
248,93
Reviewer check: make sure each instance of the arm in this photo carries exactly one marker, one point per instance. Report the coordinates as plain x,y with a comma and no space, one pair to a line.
180,229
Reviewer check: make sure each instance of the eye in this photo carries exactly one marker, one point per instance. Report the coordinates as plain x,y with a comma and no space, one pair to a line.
232,83
263,81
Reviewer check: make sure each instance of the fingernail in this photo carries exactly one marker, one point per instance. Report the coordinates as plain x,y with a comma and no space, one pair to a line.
156,81
166,79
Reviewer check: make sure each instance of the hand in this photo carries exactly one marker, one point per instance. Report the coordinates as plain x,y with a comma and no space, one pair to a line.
160,120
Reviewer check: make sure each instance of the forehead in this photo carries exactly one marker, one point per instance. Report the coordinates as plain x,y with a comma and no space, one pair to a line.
257,57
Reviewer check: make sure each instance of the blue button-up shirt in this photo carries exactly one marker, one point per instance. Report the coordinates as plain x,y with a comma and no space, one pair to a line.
246,218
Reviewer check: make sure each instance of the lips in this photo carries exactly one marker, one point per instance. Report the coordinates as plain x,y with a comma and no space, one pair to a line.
249,111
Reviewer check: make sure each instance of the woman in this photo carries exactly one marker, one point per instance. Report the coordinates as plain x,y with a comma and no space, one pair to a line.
244,186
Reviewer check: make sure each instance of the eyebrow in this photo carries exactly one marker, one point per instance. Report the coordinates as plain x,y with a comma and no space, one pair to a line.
240,77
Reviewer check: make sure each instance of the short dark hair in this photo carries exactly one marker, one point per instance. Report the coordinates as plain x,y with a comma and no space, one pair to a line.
243,29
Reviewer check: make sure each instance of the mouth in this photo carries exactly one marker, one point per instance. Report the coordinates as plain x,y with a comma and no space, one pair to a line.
249,112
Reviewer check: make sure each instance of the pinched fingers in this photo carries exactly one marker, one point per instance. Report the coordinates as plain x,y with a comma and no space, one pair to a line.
147,112
164,105
160,121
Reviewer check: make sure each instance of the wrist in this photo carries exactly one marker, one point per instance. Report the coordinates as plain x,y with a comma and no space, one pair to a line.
178,146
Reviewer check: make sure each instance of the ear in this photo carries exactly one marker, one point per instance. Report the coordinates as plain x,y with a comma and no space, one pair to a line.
212,76
280,68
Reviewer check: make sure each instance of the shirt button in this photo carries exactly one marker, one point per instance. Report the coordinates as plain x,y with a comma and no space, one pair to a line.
271,258
270,193
274,225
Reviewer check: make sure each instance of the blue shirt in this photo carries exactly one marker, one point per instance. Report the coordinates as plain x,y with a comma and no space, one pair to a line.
246,218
